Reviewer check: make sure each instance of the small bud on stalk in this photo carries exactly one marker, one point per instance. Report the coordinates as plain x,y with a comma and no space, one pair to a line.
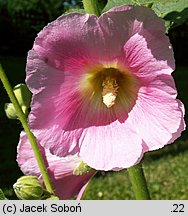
30,188
23,96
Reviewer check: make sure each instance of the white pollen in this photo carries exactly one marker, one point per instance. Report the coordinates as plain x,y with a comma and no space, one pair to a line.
109,93
109,99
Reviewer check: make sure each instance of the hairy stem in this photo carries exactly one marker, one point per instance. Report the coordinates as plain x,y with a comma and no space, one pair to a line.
139,183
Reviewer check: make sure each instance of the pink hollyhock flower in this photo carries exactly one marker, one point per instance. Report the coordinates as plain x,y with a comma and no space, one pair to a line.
60,169
102,87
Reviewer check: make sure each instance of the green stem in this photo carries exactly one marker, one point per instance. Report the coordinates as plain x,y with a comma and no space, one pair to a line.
31,137
91,7
139,183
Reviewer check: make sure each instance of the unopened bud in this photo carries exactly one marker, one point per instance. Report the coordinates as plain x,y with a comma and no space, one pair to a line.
10,111
30,188
22,94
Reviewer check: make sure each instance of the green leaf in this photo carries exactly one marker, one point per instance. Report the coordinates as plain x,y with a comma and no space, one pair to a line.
113,3
2,196
174,12
75,10
161,7
176,18
102,4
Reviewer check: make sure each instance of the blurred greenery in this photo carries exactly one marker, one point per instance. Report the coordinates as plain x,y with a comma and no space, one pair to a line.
20,21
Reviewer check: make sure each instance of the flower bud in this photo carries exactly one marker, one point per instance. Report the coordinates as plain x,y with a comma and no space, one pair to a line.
22,94
10,111
29,188
81,169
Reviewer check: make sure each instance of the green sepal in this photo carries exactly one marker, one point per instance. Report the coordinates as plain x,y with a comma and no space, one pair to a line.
81,169
22,94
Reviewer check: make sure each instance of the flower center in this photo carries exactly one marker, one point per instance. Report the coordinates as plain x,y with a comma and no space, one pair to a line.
109,87
110,90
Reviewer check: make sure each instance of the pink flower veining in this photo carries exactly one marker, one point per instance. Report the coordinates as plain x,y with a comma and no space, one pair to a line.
102,87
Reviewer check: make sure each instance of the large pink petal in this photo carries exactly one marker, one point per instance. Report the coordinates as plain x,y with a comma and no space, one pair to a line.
60,169
182,126
74,41
63,135
70,186
25,157
157,117
142,34
40,75
51,107
115,146
148,55
137,18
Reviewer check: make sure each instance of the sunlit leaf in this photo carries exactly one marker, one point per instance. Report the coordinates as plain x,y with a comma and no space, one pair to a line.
174,12
75,10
